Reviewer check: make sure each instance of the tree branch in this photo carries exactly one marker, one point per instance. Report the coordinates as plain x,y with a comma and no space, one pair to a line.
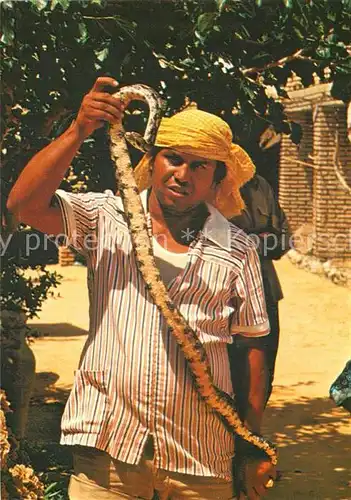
275,64
304,163
102,18
337,166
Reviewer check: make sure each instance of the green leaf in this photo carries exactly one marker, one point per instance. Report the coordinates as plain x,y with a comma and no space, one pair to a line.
344,68
221,4
323,52
205,22
298,33
51,487
8,35
39,4
102,54
64,4
83,32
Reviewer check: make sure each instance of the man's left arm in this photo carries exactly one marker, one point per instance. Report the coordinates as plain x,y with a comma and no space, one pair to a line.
253,380
249,373
250,377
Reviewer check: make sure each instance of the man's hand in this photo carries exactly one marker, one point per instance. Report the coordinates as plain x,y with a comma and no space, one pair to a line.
256,475
97,108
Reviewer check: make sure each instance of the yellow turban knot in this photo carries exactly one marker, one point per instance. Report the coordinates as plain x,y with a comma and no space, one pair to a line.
202,134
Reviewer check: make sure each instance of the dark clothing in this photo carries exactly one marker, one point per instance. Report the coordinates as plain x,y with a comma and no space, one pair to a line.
340,390
272,343
266,222
264,216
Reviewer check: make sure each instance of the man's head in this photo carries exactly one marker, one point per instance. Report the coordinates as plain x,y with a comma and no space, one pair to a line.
192,145
183,180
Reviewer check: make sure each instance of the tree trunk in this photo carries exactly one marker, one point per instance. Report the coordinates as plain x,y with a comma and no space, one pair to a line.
17,369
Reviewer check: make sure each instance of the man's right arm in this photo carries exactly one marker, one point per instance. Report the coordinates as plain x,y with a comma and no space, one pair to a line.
30,198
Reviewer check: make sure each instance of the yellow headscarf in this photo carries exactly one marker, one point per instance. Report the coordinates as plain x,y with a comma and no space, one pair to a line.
202,134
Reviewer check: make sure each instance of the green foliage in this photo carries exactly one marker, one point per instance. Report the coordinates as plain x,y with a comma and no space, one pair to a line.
53,492
20,292
52,462
221,54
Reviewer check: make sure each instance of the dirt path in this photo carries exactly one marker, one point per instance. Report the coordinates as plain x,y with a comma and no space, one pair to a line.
314,436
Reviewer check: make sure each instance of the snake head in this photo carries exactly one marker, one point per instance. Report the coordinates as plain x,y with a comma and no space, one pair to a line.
137,141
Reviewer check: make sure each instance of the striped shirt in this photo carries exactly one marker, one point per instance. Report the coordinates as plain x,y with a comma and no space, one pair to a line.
133,380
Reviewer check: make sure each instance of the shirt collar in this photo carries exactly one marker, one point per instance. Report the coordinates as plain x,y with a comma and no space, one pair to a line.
216,228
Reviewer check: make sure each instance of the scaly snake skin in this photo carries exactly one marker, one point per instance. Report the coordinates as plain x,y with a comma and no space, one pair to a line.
191,346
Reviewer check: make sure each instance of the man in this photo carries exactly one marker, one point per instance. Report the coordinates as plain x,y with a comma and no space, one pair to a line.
265,221
134,417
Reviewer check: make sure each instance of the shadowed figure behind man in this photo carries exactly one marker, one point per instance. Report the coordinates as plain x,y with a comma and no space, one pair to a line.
265,221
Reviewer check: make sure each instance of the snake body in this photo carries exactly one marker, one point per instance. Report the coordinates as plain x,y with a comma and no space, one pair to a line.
187,339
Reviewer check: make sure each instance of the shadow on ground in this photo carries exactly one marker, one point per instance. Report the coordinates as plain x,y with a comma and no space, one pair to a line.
303,430
57,329
314,449
51,460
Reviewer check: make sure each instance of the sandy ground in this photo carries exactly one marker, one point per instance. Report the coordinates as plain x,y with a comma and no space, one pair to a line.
313,435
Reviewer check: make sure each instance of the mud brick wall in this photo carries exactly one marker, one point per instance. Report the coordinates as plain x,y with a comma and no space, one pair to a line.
295,179
332,201
314,196
66,256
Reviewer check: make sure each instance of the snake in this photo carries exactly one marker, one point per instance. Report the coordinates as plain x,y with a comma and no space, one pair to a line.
191,346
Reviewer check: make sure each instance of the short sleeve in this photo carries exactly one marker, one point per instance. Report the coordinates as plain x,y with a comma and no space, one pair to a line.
80,214
250,316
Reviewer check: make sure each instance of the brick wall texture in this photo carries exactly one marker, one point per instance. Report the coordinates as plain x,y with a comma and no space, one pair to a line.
314,196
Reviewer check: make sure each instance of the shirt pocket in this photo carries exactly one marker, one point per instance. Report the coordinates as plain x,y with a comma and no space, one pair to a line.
87,404
263,216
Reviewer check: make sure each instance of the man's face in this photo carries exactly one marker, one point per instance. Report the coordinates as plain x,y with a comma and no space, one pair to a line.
181,180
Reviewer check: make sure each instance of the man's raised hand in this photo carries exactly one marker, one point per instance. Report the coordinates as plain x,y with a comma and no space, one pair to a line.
98,107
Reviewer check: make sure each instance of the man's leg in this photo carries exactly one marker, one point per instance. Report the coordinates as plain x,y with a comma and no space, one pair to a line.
188,487
272,343
81,488
99,477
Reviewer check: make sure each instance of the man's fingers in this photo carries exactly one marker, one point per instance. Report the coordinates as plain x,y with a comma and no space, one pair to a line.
104,81
268,480
265,482
96,107
257,476
108,99
98,115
